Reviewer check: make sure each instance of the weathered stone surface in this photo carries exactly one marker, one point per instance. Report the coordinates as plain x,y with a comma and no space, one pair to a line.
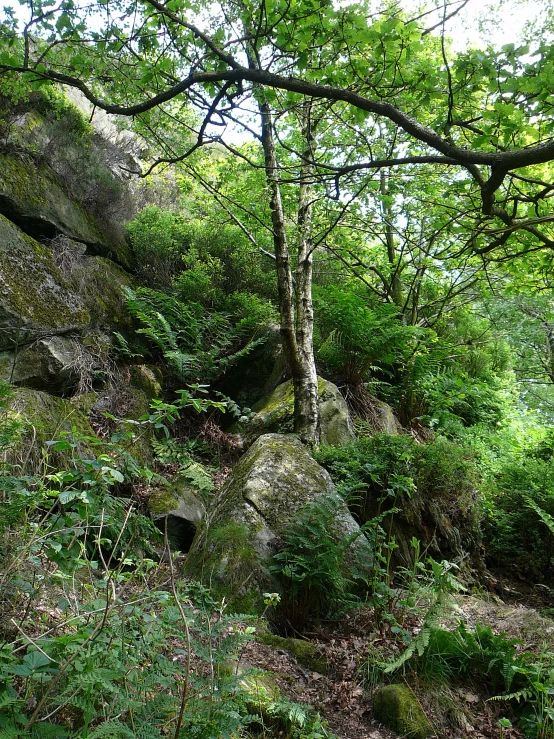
35,298
45,417
267,488
32,197
51,364
275,414
176,509
45,293
398,709
147,378
382,418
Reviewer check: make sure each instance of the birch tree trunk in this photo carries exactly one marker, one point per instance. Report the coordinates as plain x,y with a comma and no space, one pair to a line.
295,299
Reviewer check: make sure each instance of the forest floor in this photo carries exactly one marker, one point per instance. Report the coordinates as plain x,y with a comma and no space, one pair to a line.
455,712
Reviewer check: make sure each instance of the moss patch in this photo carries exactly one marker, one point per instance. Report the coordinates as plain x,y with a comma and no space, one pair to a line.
305,652
35,299
45,418
32,196
148,379
398,709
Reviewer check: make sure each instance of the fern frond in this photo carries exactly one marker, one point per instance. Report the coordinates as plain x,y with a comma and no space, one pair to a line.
48,731
111,730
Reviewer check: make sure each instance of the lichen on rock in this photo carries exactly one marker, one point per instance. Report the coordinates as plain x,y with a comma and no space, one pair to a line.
268,487
275,414
32,196
35,299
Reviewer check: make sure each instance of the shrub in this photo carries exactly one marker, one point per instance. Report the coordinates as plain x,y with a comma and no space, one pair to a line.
514,532
195,343
354,338
315,566
434,486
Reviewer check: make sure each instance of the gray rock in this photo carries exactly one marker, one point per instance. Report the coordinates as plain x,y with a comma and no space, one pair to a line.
175,508
269,485
35,298
54,364
32,197
382,418
53,290
398,709
275,414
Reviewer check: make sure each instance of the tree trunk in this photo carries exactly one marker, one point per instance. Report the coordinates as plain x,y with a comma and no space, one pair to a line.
295,301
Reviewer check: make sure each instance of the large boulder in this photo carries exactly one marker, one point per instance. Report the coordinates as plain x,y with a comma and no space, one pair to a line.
53,364
275,413
33,197
44,293
44,418
268,487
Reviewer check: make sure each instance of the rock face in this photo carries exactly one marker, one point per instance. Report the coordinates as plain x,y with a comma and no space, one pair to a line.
32,197
398,709
44,417
48,364
275,414
35,298
270,484
39,299
383,419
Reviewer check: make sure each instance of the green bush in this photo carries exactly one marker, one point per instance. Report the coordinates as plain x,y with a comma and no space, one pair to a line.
315,566
196,344
354,338
515,533
431,486
204,264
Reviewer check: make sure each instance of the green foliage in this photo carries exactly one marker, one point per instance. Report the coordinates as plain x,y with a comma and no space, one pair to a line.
114,653
195,343
204,263
384,471
356,338
515,531
316,565
441,656
160,239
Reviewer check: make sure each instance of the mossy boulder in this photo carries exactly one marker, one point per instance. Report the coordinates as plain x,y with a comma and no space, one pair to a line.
35,299
381,417
268,487
44,418
52,364
147,378
305,652
45,294
175,508
32,196
398,709
275,414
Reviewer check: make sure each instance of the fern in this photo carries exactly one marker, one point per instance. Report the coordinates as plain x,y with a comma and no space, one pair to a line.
545,517
48,731
10,732
111,729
